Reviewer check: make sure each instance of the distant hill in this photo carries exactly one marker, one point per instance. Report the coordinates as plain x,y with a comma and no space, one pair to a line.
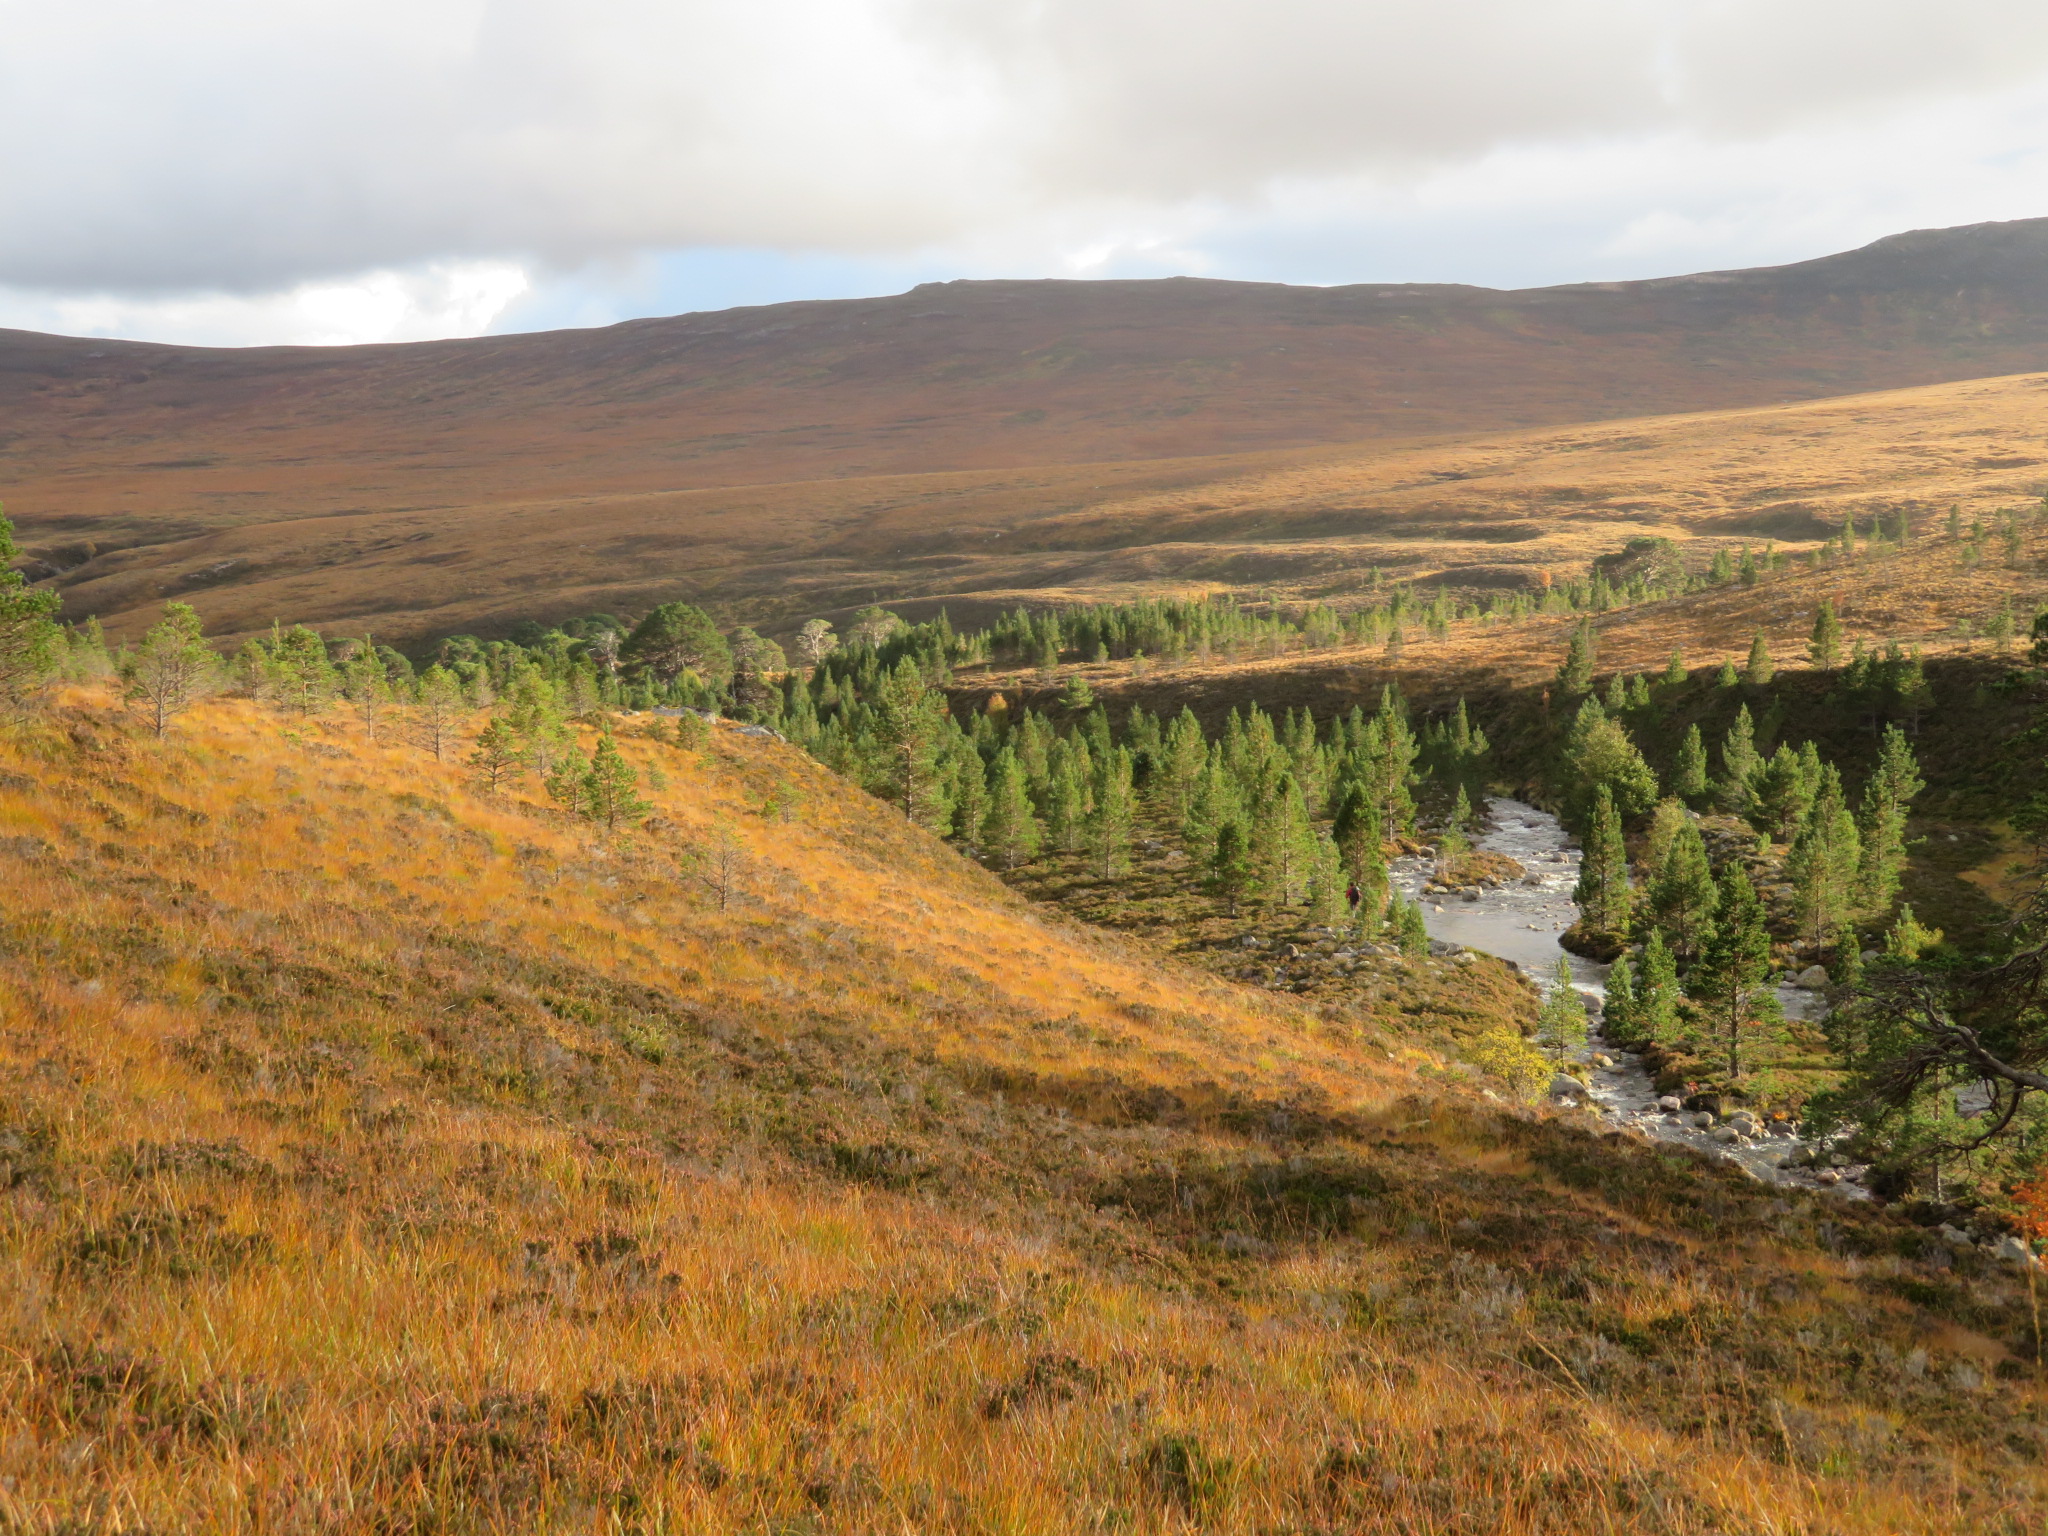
451,481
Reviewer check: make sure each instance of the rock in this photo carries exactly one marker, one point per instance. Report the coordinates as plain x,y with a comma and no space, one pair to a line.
1566,1087
1703,1121
2012,1250
1443,949
1470,893
1726,1133
1600,1059
1671,1103
1955,1237
1869,955
1812,979
1827,1176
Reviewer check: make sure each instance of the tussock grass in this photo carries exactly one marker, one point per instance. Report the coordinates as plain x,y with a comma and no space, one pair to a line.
377,1155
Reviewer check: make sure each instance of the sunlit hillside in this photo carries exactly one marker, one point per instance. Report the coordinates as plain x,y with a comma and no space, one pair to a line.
381,1154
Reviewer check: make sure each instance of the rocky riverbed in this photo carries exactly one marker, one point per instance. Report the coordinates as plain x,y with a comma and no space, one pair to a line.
1520,922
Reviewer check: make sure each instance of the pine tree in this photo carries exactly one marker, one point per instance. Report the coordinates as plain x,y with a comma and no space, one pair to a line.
1183,758
564,780
1887,799
1824,861
1110,814
1683,896
1674,669
170,669
1638,692
1784,792
1388,751
1760,669
1357,830
1722,571
1009,831
1824,649
1326,882
1600,752
437,706
1729,983
969,794
1618,1019
1230,866
1689,776
910,722
1066,806
1739,766
297,671
610,788
1657,992
1617,694
498,755
1727,677
367,687
1575,674
1670,816
29,637
1410,928
1282,841
1561,1021
1603,891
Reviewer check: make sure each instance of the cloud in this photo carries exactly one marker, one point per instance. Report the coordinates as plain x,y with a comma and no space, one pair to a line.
342,168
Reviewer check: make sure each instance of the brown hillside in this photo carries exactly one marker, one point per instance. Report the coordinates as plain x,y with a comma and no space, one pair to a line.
834,450
376,1154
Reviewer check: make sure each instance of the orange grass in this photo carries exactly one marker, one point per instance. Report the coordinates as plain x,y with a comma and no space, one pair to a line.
379,1155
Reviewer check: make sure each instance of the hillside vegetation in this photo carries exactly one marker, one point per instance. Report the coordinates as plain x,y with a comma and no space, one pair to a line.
377,1153
967,443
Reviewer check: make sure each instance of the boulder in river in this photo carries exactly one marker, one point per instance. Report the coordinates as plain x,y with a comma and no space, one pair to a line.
1564,1086
1812,979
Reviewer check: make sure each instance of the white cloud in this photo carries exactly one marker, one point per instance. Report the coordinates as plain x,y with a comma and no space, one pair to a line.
444,299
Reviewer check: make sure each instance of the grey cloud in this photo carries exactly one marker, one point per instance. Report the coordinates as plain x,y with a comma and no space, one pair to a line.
243,145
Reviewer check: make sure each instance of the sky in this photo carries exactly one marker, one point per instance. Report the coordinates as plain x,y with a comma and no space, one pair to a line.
254,172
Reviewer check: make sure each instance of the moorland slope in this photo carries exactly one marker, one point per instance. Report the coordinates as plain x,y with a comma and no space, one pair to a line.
814,455
377,1153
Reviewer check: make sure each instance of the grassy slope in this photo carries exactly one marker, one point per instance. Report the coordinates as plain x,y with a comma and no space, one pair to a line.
378,1155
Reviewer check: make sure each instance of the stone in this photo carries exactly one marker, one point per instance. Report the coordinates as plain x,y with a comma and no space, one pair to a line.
1955,1237
1726,1133
1600,1059
1671,1103
1812,979
1563,1086
1704,1120
1827,1176
2013,1250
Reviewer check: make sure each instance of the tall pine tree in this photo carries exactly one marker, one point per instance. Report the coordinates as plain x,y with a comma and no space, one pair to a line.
1603,891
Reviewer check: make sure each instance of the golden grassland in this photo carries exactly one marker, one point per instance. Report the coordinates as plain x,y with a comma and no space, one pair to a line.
1479,511
380,1155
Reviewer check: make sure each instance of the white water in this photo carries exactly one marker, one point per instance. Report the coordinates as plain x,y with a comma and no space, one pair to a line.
1521,923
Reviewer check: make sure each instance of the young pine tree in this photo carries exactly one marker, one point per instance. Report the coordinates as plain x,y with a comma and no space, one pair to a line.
1357,830
1730,985
170,669
1010,833
1603,891
1561,1022
1824,647
1110,814
1657,992
1575,673
610,788
1618,1019
1230,866
1739,766
1689,775
437,707
1674,670
1410,929
1823,864
1760,669
1326,883
297,672
1066,806
1683,896
1887,799
969,795
30,641
367,687
498,755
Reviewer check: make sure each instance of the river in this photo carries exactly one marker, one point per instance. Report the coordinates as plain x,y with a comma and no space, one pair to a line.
1521,921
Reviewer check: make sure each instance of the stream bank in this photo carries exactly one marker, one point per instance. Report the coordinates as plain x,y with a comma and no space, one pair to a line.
1521,921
